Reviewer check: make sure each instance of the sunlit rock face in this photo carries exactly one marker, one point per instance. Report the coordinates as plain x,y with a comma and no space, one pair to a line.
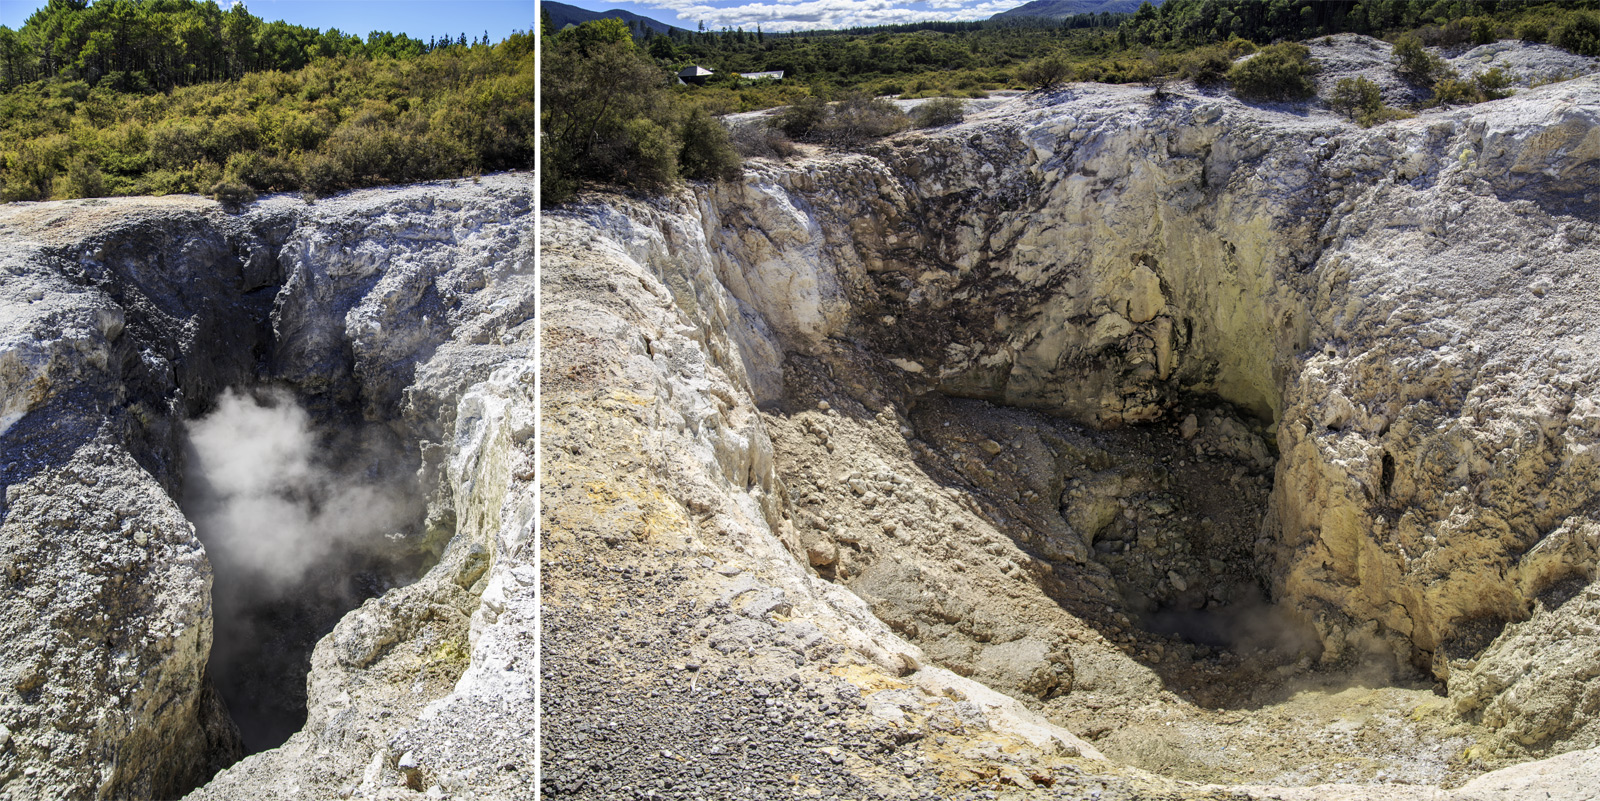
1396,318
405,315
1399,302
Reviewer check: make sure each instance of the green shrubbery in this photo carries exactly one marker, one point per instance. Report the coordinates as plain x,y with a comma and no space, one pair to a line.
610,118
449,113
139,46
1206,66
232,194
1416,64
760,140
1277,72
1492,84
1579,33
854,119
1045,73
1362,101
939,111
707,152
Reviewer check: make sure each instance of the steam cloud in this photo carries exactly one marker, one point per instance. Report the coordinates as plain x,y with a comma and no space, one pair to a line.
298,524
266,502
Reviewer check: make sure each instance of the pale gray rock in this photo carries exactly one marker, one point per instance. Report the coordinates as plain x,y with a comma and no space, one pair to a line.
121,318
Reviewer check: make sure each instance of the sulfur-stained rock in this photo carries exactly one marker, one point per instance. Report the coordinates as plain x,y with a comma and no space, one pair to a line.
1379,329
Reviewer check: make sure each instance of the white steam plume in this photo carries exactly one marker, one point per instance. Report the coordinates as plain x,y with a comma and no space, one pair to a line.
265,503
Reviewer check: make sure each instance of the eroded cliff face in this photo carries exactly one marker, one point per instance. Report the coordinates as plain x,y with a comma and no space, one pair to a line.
1395,314
1401,303
410,309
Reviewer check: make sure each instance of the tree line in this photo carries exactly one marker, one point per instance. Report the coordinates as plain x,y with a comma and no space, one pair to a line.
136,97
156,45
1194,23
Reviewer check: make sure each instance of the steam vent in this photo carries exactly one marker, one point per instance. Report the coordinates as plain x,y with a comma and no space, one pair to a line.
1110,444
268,495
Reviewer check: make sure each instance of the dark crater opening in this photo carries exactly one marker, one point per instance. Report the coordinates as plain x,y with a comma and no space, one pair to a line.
305,513
1179,569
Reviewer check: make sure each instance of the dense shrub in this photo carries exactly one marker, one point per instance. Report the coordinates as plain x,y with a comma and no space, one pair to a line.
802,117
84,179
1205,66
1362,101
261,172
761,140
461,112
608,115
294,130
1277,72
324,174
858,117
938,112
707,154
26,178
1492,84
233,133
1416,64
232,195
1045,73
1579,33
178,143
1354,97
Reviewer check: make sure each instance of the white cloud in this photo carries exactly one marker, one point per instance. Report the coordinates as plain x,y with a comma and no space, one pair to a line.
827,13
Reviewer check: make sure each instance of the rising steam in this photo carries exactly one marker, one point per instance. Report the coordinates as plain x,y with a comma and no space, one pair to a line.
301,525
266,500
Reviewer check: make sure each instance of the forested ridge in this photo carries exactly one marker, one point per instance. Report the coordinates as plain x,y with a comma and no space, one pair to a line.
121,97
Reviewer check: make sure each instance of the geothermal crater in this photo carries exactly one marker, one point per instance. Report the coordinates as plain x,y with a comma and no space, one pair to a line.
1104,442
260,470
302,521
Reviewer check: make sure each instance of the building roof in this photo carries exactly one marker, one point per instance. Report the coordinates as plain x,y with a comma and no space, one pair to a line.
776,75
695,71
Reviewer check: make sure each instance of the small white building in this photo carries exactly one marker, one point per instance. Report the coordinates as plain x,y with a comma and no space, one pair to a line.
773,75
696,75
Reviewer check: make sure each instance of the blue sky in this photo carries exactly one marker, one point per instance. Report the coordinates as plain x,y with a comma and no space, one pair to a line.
803,15
419,18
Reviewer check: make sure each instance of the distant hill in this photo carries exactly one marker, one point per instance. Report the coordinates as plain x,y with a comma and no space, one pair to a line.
562,15
1066,8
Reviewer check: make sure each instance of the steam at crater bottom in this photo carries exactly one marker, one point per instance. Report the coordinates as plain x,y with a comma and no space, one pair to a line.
297,522
266,502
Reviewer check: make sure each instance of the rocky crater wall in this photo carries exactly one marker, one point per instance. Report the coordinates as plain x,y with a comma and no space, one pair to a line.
1404,307
408,309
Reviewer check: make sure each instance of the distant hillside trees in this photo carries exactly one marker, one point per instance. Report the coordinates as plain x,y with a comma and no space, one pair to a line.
1191,23
144,45
337,123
